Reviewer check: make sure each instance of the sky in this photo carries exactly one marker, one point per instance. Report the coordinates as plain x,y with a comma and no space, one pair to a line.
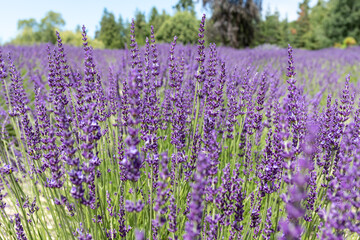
89,12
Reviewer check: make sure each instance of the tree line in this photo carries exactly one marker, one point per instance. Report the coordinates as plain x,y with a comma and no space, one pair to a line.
235,23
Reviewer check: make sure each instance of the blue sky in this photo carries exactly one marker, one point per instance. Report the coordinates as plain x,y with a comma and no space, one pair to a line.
89,12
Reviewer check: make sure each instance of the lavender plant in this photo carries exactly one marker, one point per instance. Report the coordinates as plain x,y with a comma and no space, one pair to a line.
178,142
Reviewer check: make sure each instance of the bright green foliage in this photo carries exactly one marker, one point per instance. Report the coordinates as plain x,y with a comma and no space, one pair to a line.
183,24
308,31
156,19
316,38
75,39
27,23
48,24
27,34
349,41
33,32
343,21
111,33
236,23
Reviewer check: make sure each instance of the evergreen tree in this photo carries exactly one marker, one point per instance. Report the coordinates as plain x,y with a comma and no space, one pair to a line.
123,30
157,19
111,33
343,21
154,16
142,29
303,23
316,38
285,30
270,30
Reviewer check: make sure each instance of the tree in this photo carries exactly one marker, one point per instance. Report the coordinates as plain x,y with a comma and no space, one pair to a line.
235,20
156,19
184,25
33,32
286,33
123,31
303,23
48,25
344,20
185,5
75,39
316,38
111,33
154,14
28,32
26,23
142,29
270,30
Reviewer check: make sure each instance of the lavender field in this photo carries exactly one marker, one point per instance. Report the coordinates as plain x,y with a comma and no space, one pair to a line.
172,141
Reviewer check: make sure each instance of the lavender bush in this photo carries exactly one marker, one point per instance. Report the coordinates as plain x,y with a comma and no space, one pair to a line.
179,142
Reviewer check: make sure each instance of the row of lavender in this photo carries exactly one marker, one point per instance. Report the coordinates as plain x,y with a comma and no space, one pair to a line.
172,141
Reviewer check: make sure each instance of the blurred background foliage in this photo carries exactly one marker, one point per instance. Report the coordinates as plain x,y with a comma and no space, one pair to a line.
235,23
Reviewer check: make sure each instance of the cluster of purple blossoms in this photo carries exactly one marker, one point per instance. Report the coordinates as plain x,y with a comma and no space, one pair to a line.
193,225
20,233
81,233
173,144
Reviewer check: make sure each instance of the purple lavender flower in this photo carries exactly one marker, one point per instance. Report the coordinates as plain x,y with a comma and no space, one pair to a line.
17,93
6,169
20,233
232,110
193,225
224,195
200,75
2,196
239,197
172,215
139,235
81,233
150,114
255,218
294,103
113,96
290,230
260,103
268,225
133,161
110,208
211,233
172,66
123,229
311,196
101,100
134,207
3,76
125,105
90,71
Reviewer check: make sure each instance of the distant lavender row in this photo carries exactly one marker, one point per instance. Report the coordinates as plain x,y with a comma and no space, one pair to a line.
179,142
